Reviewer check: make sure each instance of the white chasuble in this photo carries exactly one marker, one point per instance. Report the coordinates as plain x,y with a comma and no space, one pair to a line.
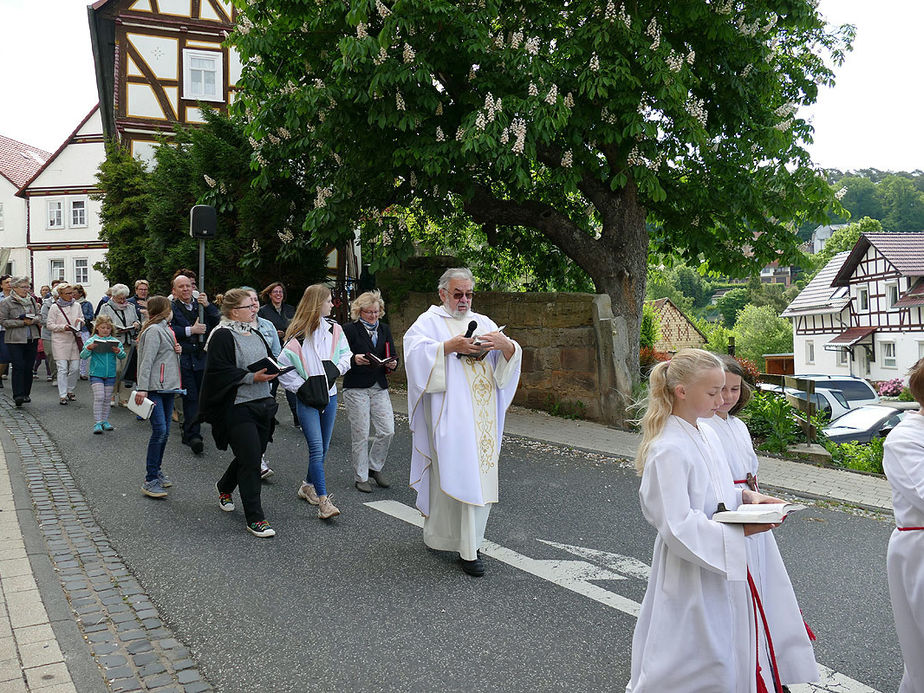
795,656
694,631
903,462
456,408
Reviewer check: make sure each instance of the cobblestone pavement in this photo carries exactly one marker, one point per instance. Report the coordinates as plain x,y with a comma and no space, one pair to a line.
124,634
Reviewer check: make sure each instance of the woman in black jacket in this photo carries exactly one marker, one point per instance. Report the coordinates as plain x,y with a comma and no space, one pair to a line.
238,404
365,389
277,311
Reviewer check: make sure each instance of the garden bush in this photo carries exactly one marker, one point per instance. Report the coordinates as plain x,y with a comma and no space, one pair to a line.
864,457
891,388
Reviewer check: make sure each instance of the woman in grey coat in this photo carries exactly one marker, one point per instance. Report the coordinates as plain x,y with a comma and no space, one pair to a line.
158,380
21,317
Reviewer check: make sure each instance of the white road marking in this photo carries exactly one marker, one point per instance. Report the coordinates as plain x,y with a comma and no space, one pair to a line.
574,576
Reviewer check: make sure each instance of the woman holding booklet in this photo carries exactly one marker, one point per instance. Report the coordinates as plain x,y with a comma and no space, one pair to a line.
65,320
365,389
235,399
785,630
696,630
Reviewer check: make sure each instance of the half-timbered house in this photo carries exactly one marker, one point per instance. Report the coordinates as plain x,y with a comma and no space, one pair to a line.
62,220
863,314
156,62
676,330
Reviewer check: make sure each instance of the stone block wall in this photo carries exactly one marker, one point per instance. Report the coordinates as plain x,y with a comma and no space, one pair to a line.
559,336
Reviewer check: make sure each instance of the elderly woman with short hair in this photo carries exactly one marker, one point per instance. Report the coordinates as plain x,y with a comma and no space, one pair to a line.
65,319
21,317
365,389
127,322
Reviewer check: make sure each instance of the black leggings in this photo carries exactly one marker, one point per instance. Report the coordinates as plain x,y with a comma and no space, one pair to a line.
250,428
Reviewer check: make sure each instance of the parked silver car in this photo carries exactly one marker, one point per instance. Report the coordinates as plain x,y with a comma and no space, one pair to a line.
853,388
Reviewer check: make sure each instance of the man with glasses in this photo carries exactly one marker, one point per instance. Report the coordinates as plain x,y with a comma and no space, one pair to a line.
462,373
191,336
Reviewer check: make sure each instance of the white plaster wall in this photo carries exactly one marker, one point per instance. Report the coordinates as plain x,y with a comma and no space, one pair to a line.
14,216
38,221
97,285
74,167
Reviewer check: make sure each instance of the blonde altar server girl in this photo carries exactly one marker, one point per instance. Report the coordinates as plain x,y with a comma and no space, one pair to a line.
696,629
903,462
789,635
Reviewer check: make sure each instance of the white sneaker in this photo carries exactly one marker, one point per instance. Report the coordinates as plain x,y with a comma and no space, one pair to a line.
265,471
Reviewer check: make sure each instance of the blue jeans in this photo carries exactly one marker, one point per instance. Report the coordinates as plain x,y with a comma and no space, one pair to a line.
317,427
160,430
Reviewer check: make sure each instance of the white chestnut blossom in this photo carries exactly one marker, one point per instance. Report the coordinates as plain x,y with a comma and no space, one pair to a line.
654,33
691,56
747,70
567,159
460,133
381,57
635,158
552,97
610,13
840,193
323,194
439,108
272,138
569,100
413,180
381,9
480,121
697,109
255,247
516,39
361,32
499,40
674,61
533,91
286,235
594,63
253,142
399,101
624,17
209,181
440,137
505,136
518,128
725,7
409,53
532,45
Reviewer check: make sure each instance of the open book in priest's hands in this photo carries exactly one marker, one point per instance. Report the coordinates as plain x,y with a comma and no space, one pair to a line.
757,513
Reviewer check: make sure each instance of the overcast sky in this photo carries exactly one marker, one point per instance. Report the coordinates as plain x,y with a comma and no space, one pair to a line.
869,119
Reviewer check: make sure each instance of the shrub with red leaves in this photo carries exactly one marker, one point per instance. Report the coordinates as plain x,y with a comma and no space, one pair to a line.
752,374
648,358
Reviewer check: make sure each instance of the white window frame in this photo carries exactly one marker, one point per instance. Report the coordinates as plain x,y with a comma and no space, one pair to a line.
55,263
55,214
920,350
842,358
889,361
1,216
70,213
863,298
190,54
889,288
86,271
810,351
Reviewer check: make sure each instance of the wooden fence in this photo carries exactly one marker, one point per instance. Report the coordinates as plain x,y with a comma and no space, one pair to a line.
805,407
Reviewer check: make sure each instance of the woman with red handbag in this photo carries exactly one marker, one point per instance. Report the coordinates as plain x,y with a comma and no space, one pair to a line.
65,320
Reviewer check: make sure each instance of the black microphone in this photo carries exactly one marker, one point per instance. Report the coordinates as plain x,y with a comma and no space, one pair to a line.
472,326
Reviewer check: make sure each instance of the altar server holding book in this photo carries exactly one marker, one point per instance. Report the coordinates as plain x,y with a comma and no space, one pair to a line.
789,635
696,630
903,462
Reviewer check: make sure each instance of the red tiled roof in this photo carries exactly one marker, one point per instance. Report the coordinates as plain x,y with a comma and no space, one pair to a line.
904,250
819,296
913,297
19,161
852,335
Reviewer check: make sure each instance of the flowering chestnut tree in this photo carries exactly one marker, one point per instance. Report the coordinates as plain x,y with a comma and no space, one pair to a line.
593,123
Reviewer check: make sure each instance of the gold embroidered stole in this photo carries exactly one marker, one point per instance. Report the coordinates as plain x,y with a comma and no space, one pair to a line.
480,376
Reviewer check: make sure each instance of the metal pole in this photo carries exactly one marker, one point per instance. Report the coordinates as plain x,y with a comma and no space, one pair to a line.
731,345
201,283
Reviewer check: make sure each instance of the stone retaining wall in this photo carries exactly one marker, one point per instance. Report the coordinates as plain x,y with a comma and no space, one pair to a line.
560,334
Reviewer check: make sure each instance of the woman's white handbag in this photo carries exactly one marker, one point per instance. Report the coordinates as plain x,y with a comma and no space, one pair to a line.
144,409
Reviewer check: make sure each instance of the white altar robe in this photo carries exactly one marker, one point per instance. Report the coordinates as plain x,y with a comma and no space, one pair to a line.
456,409
903,462
795,656
695,630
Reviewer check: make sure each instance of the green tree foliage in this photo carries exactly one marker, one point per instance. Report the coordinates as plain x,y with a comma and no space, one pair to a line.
660,284
579,120
731,303
146,214
651,328
895,199
758,331
124,181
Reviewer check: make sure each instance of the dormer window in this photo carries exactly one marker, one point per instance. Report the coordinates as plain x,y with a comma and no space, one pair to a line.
203,75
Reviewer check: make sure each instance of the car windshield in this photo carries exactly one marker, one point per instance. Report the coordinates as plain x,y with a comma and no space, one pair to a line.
852,390
862,418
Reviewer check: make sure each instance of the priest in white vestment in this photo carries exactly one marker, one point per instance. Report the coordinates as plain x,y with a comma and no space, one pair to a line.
457,403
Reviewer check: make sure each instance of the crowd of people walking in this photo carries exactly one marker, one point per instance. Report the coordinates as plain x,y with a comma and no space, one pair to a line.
719,612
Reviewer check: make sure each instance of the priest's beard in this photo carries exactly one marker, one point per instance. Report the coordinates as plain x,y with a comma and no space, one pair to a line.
456,313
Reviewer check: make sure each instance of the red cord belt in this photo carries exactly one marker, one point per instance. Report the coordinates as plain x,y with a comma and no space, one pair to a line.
908,529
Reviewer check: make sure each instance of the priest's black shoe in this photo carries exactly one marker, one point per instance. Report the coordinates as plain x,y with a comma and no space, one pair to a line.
474,568
195,445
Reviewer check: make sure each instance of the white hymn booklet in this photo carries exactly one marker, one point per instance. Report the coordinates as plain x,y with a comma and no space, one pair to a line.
757,513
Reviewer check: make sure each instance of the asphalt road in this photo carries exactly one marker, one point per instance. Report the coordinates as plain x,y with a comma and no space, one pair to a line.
358,603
